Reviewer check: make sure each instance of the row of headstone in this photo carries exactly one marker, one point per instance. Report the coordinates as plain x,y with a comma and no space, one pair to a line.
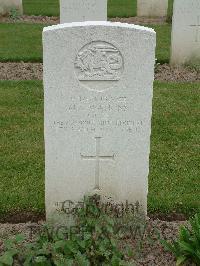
98,84
7,6
185,36
185,27
96,10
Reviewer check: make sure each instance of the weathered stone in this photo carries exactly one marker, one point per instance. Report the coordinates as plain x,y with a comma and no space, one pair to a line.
185,43
6,6
152,8
83,10
98,80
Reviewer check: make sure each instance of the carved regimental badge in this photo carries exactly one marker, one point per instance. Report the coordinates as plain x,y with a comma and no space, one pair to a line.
99,61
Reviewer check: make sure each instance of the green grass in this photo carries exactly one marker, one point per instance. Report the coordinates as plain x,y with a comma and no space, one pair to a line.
163,42
170,10
21,145
23,42
122,8
20,42
116,8
174,182
41,7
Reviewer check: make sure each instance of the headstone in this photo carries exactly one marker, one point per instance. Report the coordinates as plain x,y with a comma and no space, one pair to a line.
7,6
185,44
98,79
83,10
152,8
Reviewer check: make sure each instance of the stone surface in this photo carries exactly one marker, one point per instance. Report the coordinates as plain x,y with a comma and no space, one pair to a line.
98,79
152,8
7,5
185,32
83,10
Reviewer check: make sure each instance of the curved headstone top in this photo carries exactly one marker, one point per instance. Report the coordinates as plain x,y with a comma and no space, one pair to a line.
98,85
98,23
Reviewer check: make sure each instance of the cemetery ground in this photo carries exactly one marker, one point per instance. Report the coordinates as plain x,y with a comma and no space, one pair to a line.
13,49
174,185
115,8
174,165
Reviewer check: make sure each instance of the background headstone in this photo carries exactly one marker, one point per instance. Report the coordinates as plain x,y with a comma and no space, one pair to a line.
152,8
98,79
7,5
83,10
185,41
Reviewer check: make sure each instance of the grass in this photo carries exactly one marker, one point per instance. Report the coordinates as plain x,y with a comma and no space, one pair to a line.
122,8
174,166
22,42
41,7
175,160
116,8
170,10
21,145
163,42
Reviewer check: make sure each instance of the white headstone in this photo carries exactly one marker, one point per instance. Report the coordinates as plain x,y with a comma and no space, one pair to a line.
98,79
152,8
185,42
7,5
83,10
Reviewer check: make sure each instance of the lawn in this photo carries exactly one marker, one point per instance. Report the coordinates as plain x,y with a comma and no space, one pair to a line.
174,164
41,7
23,42
116,8
21,145
175,161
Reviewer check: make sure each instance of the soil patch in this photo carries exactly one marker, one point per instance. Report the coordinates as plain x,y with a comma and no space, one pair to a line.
55,20
152,252
170,217
20,71
34,71
176,74
34,217
31,19
140,20
22,217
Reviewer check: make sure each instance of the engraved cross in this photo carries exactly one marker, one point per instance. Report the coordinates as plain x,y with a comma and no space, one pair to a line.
197,25
97,158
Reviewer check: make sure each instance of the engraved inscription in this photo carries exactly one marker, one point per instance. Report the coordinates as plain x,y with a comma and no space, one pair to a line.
97,115
75,5
97,158
98,103
93,126
99,61
197,27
